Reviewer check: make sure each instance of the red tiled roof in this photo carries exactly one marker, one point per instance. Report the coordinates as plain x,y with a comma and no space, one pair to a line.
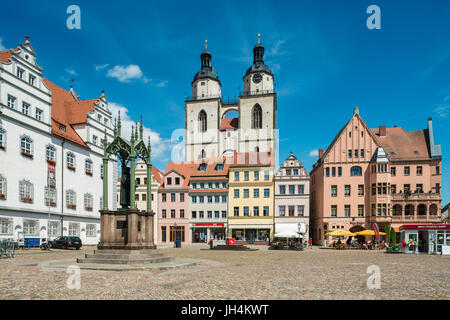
66,110
229,123
157,175
5,55
404,145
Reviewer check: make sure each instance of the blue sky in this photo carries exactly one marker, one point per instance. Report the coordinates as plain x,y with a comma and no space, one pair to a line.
324,58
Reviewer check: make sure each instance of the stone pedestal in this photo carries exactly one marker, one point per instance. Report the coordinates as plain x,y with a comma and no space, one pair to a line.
126,230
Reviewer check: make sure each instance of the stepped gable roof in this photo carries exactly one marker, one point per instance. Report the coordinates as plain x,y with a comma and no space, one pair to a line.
66,110
229,123
404,145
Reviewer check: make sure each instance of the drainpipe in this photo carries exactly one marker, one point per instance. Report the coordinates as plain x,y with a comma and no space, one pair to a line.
62,187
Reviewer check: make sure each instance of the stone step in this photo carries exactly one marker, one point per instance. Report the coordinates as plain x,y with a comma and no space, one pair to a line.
133,256
119,251
124,261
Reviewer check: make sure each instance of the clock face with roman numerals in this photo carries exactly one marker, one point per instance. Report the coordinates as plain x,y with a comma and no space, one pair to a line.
257,78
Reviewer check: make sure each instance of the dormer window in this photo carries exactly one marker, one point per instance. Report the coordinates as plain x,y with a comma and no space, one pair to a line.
62,127
169,181
177,181
219,167
202,167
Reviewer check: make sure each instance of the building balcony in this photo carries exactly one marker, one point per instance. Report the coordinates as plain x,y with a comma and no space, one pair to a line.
416,197
256,93
416,218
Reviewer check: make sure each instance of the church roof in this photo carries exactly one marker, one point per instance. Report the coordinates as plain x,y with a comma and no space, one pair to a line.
229,124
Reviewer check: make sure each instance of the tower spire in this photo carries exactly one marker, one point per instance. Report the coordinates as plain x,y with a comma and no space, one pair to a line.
259,38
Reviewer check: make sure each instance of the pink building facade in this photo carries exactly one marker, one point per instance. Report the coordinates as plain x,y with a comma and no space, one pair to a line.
173,205
385,175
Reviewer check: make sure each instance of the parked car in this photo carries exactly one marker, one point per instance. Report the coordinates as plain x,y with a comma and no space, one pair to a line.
67,242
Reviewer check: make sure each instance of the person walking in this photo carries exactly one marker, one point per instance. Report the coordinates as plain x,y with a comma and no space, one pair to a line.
310,243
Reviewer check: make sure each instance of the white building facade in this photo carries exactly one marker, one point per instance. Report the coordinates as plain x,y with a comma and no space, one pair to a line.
211,132
50,154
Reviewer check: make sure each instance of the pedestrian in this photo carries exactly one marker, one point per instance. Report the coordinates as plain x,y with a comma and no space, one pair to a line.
310,243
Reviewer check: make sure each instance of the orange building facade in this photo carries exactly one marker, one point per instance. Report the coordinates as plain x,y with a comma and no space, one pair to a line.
385,175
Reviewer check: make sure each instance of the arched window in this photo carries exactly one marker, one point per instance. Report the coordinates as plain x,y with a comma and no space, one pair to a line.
26,191
202,121
356,171
70,160
257,117
26,145
71,199
50,152
2,187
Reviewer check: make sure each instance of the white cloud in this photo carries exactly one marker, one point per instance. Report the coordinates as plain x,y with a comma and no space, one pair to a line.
100,66
314,153
159,145
70,71
125,73
276,48
162,84
444,108
2,47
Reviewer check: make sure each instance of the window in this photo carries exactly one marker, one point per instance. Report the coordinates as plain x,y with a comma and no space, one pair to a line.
26,146
266,192
257,117
163,234
26,191
194,185
88,166
347,190
74,229
360,190
94,139
201,214
347,210
246,175
25,108
282,189
437,188
164,213
246,193
224,214
356,171
256,211
236,193
419,188
291,189
88,202
256,175
334,211
333,172
99,118
2,138
246,211
62,128
31,227
288,172
224,199
70,159
282,211
2,187
172,213
256,193
71,199
356,153
39,114
219,167
374,189
419,170
172,197
182,197
406,171
236,176
202,185
236,211
224,185
438,171
374,210
169,181
334,191
144,197
202,122
327,172
360,210
177,180
201,199
20,73
50,153
210,199
300,211
54,229
301,189
50,196
339,171
393,189
362,153
6,226
164,197
266,175
406,187
217,185
295,172
11,101
393,171
91,230
210,185
265,211
349,153
194,214
291,211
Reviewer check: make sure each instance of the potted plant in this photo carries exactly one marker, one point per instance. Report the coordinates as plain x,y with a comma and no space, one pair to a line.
27,154
71,167
51,161
2,196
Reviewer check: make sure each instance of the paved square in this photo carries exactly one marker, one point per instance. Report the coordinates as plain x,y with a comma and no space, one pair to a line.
263,274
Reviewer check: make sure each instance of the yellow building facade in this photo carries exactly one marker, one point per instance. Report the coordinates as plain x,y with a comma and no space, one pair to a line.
251,203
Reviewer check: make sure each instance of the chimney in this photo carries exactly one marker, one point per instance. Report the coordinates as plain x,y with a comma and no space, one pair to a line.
320,153
382,131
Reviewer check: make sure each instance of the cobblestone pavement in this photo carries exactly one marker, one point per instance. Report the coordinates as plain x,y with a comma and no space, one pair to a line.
263,274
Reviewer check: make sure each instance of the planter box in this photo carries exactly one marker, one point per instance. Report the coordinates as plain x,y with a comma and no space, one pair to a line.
27,199
71,168
89,173
26,154
88,208
71,206
51,161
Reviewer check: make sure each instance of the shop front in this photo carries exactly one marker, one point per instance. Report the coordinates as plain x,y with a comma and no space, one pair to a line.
251,235
203,232
425,238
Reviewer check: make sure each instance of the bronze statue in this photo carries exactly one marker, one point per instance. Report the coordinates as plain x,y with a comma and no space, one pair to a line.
125,188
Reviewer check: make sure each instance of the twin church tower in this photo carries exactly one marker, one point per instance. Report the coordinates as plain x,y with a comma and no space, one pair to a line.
211,131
